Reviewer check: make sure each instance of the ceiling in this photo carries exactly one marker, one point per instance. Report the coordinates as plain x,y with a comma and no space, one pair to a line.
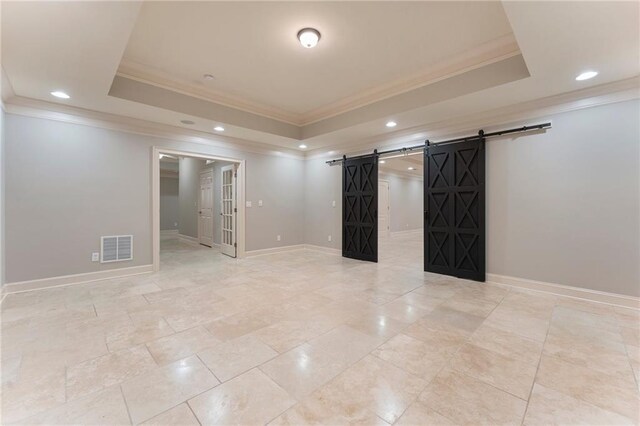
400,165
417,63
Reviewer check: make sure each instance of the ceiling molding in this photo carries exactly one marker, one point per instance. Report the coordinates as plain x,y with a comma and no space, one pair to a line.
482,55
68,114
143,74
604,94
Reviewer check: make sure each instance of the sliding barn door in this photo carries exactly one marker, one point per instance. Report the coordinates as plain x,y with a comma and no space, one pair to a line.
360,208
454,237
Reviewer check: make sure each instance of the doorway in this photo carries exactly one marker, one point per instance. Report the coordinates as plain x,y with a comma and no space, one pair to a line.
220,222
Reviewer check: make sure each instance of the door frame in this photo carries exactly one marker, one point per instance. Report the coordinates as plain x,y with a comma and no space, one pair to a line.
388,210
202,172
155,198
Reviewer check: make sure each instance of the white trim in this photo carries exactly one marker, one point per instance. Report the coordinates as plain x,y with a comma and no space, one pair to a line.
523,113
565,290
188,239
407,231
65,280
272,250
169,232
68,114
155,197
327,250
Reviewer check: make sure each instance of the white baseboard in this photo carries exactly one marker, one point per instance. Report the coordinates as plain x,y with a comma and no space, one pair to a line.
64,280
188,239
168,232
273,250
565,290
328,250
406,232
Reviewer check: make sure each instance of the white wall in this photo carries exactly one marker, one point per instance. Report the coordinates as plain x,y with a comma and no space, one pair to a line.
189,188
405,202
169,206
68,184
2,202
562,206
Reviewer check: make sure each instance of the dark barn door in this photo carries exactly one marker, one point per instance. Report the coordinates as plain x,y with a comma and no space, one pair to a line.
454,237
360,208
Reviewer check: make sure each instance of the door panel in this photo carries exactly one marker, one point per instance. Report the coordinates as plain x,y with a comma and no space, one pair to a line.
384,218
228,213
205,209
360,208
454,200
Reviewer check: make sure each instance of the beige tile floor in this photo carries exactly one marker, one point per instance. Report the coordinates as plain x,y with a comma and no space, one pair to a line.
311,338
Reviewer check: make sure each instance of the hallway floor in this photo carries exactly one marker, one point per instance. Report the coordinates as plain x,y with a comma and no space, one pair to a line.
307,337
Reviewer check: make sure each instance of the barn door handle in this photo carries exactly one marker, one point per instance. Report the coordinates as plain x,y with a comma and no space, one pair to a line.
426,214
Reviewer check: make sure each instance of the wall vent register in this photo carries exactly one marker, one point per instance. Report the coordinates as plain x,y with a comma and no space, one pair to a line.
116,248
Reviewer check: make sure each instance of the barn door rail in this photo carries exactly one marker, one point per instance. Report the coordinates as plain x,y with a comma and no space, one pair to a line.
417,148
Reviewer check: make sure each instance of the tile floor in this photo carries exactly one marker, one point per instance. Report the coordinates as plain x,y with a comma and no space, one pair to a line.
311,338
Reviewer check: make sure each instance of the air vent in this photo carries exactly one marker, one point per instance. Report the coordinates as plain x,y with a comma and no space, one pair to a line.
117,248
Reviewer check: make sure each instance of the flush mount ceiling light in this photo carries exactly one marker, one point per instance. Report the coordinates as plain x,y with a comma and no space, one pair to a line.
309,37
586,75
411,168
208,77
302,146
60,94
219,129
391,124
187,122
382,161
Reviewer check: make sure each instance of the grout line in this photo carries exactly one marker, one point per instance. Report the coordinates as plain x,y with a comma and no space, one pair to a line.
125,403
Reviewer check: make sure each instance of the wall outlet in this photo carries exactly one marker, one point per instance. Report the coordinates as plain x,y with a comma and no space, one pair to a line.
248,204
175,224
329,238
333,203
95,257
278,238
259,203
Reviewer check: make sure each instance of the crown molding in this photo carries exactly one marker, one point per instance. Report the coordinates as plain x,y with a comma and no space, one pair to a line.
480,56
147,75
485,54
68,114
618,91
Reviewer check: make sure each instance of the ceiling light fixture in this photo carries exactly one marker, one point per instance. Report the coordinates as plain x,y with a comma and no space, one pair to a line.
411,168
302,146
586,75
219,129
60,94
382,161
391,124
309,37
208,77
187,122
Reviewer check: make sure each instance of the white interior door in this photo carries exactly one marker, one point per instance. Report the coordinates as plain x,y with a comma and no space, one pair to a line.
383,209
229,209
205,209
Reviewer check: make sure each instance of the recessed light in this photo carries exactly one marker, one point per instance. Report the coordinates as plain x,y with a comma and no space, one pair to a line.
60,94
208,77
309,37
382,161
391,124
219,129
187,122
302,146
586,75
411,168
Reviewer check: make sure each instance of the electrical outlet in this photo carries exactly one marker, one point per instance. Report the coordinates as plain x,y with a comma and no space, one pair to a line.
329,238
95,257
259,203
278,238
248,204
333,203
175,224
